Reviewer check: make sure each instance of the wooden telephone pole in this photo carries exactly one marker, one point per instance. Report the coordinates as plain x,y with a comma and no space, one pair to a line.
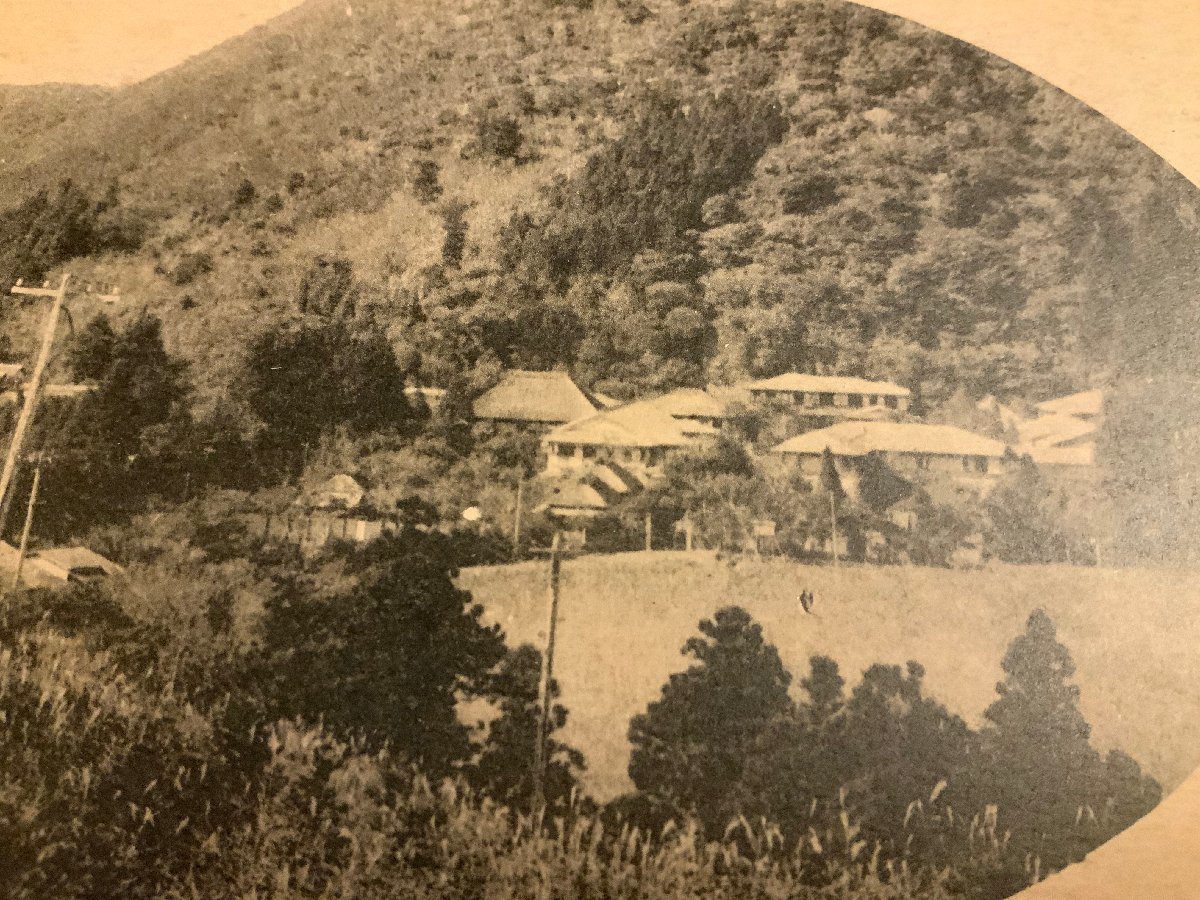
833,534
29,511
545,699
32,390
516,537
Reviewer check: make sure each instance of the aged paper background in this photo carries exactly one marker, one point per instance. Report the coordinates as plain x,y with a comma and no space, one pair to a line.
1133,60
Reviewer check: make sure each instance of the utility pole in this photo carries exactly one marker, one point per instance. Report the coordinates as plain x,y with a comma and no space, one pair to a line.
29,511
31,389
516,540
544,695
833,527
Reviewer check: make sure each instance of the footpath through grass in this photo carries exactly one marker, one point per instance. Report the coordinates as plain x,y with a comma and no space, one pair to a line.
1134,635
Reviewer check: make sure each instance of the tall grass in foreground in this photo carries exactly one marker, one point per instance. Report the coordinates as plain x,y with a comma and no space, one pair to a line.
123,785
440,841
112,786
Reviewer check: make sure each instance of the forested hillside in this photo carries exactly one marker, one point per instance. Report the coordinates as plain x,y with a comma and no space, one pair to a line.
650,194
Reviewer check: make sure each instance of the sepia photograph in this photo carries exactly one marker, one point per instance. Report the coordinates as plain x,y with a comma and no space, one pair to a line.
600,449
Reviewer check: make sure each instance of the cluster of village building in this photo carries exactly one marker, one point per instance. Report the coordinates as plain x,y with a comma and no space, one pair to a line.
596,451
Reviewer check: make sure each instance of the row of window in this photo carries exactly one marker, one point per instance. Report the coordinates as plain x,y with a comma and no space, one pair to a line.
977,464
854,401
857,401
651,456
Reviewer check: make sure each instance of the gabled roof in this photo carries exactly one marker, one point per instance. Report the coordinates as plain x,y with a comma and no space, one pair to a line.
573,493
69,559
688,403
1053,430
828,384
643,423
1085,403
546,397
861,438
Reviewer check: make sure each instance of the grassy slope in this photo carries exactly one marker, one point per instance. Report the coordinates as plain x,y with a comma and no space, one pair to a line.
1133,636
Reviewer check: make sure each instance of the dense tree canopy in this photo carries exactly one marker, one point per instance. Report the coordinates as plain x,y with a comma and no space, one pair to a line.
53,226
307,380
690,746
726,739
107,452
385,650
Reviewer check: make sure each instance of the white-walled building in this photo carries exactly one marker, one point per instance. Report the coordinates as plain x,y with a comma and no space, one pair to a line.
910,449
640,435
834,396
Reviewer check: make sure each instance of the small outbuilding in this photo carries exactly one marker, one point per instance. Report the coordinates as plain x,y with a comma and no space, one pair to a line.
339,492
72,564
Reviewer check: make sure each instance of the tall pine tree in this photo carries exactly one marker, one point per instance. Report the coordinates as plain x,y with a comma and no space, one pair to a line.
1039,765
690,746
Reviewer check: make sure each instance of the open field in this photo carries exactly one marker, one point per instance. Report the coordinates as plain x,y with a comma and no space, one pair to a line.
1134,635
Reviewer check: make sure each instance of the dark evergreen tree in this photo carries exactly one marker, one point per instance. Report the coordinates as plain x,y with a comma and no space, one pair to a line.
797,767
245,193
1024,520
1039,765
872,755
91,353
304,381
899,745
690,746
500,136
424,179
383,644
504,768
111,450
454,244
831,480
824,686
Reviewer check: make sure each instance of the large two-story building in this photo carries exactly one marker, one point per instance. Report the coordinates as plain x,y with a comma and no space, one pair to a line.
912,450
640,435
619,451
833,396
